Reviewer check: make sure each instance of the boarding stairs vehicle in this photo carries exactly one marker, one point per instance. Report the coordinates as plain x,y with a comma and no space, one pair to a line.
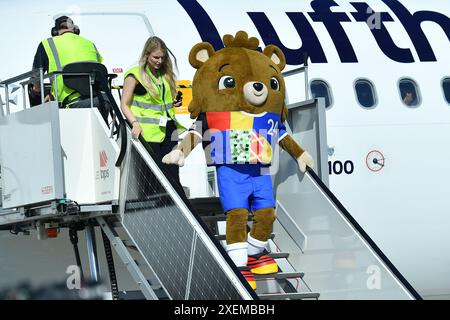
68,168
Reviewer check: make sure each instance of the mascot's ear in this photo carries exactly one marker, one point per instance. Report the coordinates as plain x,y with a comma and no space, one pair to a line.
284,113
276,55
200,53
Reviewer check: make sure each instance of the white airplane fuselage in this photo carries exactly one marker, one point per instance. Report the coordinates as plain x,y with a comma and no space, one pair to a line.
403,204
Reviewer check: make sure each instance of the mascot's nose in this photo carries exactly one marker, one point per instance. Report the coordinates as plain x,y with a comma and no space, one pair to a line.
255,93
258,86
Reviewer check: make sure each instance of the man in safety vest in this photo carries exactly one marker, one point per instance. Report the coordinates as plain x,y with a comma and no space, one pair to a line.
54,53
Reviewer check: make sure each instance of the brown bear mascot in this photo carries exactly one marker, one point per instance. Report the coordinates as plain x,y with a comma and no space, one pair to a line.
238,101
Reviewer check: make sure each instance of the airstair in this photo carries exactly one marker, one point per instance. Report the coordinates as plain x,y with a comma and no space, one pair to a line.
172,246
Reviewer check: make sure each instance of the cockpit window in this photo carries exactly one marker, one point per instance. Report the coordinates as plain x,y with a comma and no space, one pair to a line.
409,92
446,89
365,93
320,89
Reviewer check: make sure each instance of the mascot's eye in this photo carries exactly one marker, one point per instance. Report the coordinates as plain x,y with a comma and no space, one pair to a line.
274,83
227,82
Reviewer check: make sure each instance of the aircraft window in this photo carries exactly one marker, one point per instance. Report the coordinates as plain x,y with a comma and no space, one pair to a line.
365,93
446,88
409,92
320,89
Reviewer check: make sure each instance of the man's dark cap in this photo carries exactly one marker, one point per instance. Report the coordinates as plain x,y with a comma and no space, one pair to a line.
63,22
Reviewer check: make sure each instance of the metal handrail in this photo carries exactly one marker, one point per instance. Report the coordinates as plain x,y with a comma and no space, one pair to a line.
25,75
42,77
293,71
20,77
29,74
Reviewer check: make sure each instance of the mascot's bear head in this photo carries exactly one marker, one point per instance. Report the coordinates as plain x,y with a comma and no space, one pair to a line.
237,77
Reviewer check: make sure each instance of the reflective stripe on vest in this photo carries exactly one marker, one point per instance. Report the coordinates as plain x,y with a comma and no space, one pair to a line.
64,49
148,120
55,53
99,57
145,105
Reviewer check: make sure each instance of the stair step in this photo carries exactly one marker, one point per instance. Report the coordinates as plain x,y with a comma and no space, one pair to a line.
223,237
279,255
206,205
291,296
279,275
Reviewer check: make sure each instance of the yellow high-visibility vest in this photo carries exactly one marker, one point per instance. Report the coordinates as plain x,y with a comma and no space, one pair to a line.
65,49
148,109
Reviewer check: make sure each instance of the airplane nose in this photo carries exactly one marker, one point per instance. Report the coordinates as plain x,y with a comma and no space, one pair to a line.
258,86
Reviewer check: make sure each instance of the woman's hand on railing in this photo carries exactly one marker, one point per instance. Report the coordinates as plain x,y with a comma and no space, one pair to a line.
136,130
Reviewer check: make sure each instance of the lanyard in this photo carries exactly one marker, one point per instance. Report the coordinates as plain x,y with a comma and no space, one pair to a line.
159,83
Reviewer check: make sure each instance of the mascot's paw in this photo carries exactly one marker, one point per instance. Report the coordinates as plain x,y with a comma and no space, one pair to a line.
305,160
174,157
262,264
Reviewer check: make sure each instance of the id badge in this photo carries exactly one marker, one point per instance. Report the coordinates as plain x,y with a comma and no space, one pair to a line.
162,121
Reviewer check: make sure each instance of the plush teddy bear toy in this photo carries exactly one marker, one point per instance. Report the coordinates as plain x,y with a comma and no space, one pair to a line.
238,101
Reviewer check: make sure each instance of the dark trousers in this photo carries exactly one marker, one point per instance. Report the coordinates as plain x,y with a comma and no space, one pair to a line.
164,147
103,104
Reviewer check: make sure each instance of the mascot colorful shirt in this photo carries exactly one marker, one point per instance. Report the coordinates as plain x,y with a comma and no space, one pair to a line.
239,137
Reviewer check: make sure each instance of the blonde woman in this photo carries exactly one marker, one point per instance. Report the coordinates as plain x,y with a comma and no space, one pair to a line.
148,100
